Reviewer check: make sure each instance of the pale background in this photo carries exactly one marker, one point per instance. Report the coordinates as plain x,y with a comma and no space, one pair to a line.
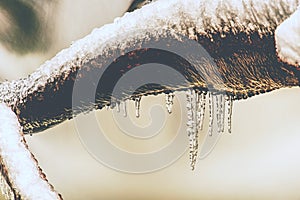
260,160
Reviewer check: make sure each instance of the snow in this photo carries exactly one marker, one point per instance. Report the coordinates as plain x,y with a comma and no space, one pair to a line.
23,171
288,39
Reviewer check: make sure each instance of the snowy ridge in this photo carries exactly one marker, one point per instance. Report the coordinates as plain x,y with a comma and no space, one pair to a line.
288,39
22,170
155,19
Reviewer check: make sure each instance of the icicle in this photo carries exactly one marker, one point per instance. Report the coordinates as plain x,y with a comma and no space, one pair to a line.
192,129
137,103
169,102
112,105
222,113
220,105
200,109
202,102
218,112
124,108
118,106
230,106
107,107
211,113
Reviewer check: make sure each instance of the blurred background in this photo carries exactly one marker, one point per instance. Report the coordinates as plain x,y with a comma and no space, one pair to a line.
259,160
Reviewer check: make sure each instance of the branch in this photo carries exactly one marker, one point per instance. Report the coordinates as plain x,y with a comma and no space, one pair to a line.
239,36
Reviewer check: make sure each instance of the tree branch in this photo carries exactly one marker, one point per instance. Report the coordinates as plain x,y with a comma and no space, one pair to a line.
238,36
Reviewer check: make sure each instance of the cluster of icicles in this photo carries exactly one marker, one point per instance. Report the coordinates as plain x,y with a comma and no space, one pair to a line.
219,105
196,103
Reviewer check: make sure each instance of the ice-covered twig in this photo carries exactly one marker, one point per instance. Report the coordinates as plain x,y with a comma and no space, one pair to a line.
239,36
21,177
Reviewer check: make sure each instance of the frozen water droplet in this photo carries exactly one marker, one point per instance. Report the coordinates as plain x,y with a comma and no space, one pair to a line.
222,108
137,103
211,113
229,112
192,128
125,108
169,102
112,104
118,106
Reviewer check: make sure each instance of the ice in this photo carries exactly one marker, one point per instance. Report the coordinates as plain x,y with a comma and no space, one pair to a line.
223,113
169,102
118,106
220,105
211,113
229,112
137,104
201,101
124,108
217,98
196,103
192,129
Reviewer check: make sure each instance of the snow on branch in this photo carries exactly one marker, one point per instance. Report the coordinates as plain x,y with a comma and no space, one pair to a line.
43,99
21,177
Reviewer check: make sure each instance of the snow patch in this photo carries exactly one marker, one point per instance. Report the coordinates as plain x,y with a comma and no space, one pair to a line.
22,169
287,37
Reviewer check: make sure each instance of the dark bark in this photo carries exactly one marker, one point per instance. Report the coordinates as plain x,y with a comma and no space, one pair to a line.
248,67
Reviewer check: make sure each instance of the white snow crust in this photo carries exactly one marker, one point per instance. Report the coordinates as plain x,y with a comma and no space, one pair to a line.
288,39
23,171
